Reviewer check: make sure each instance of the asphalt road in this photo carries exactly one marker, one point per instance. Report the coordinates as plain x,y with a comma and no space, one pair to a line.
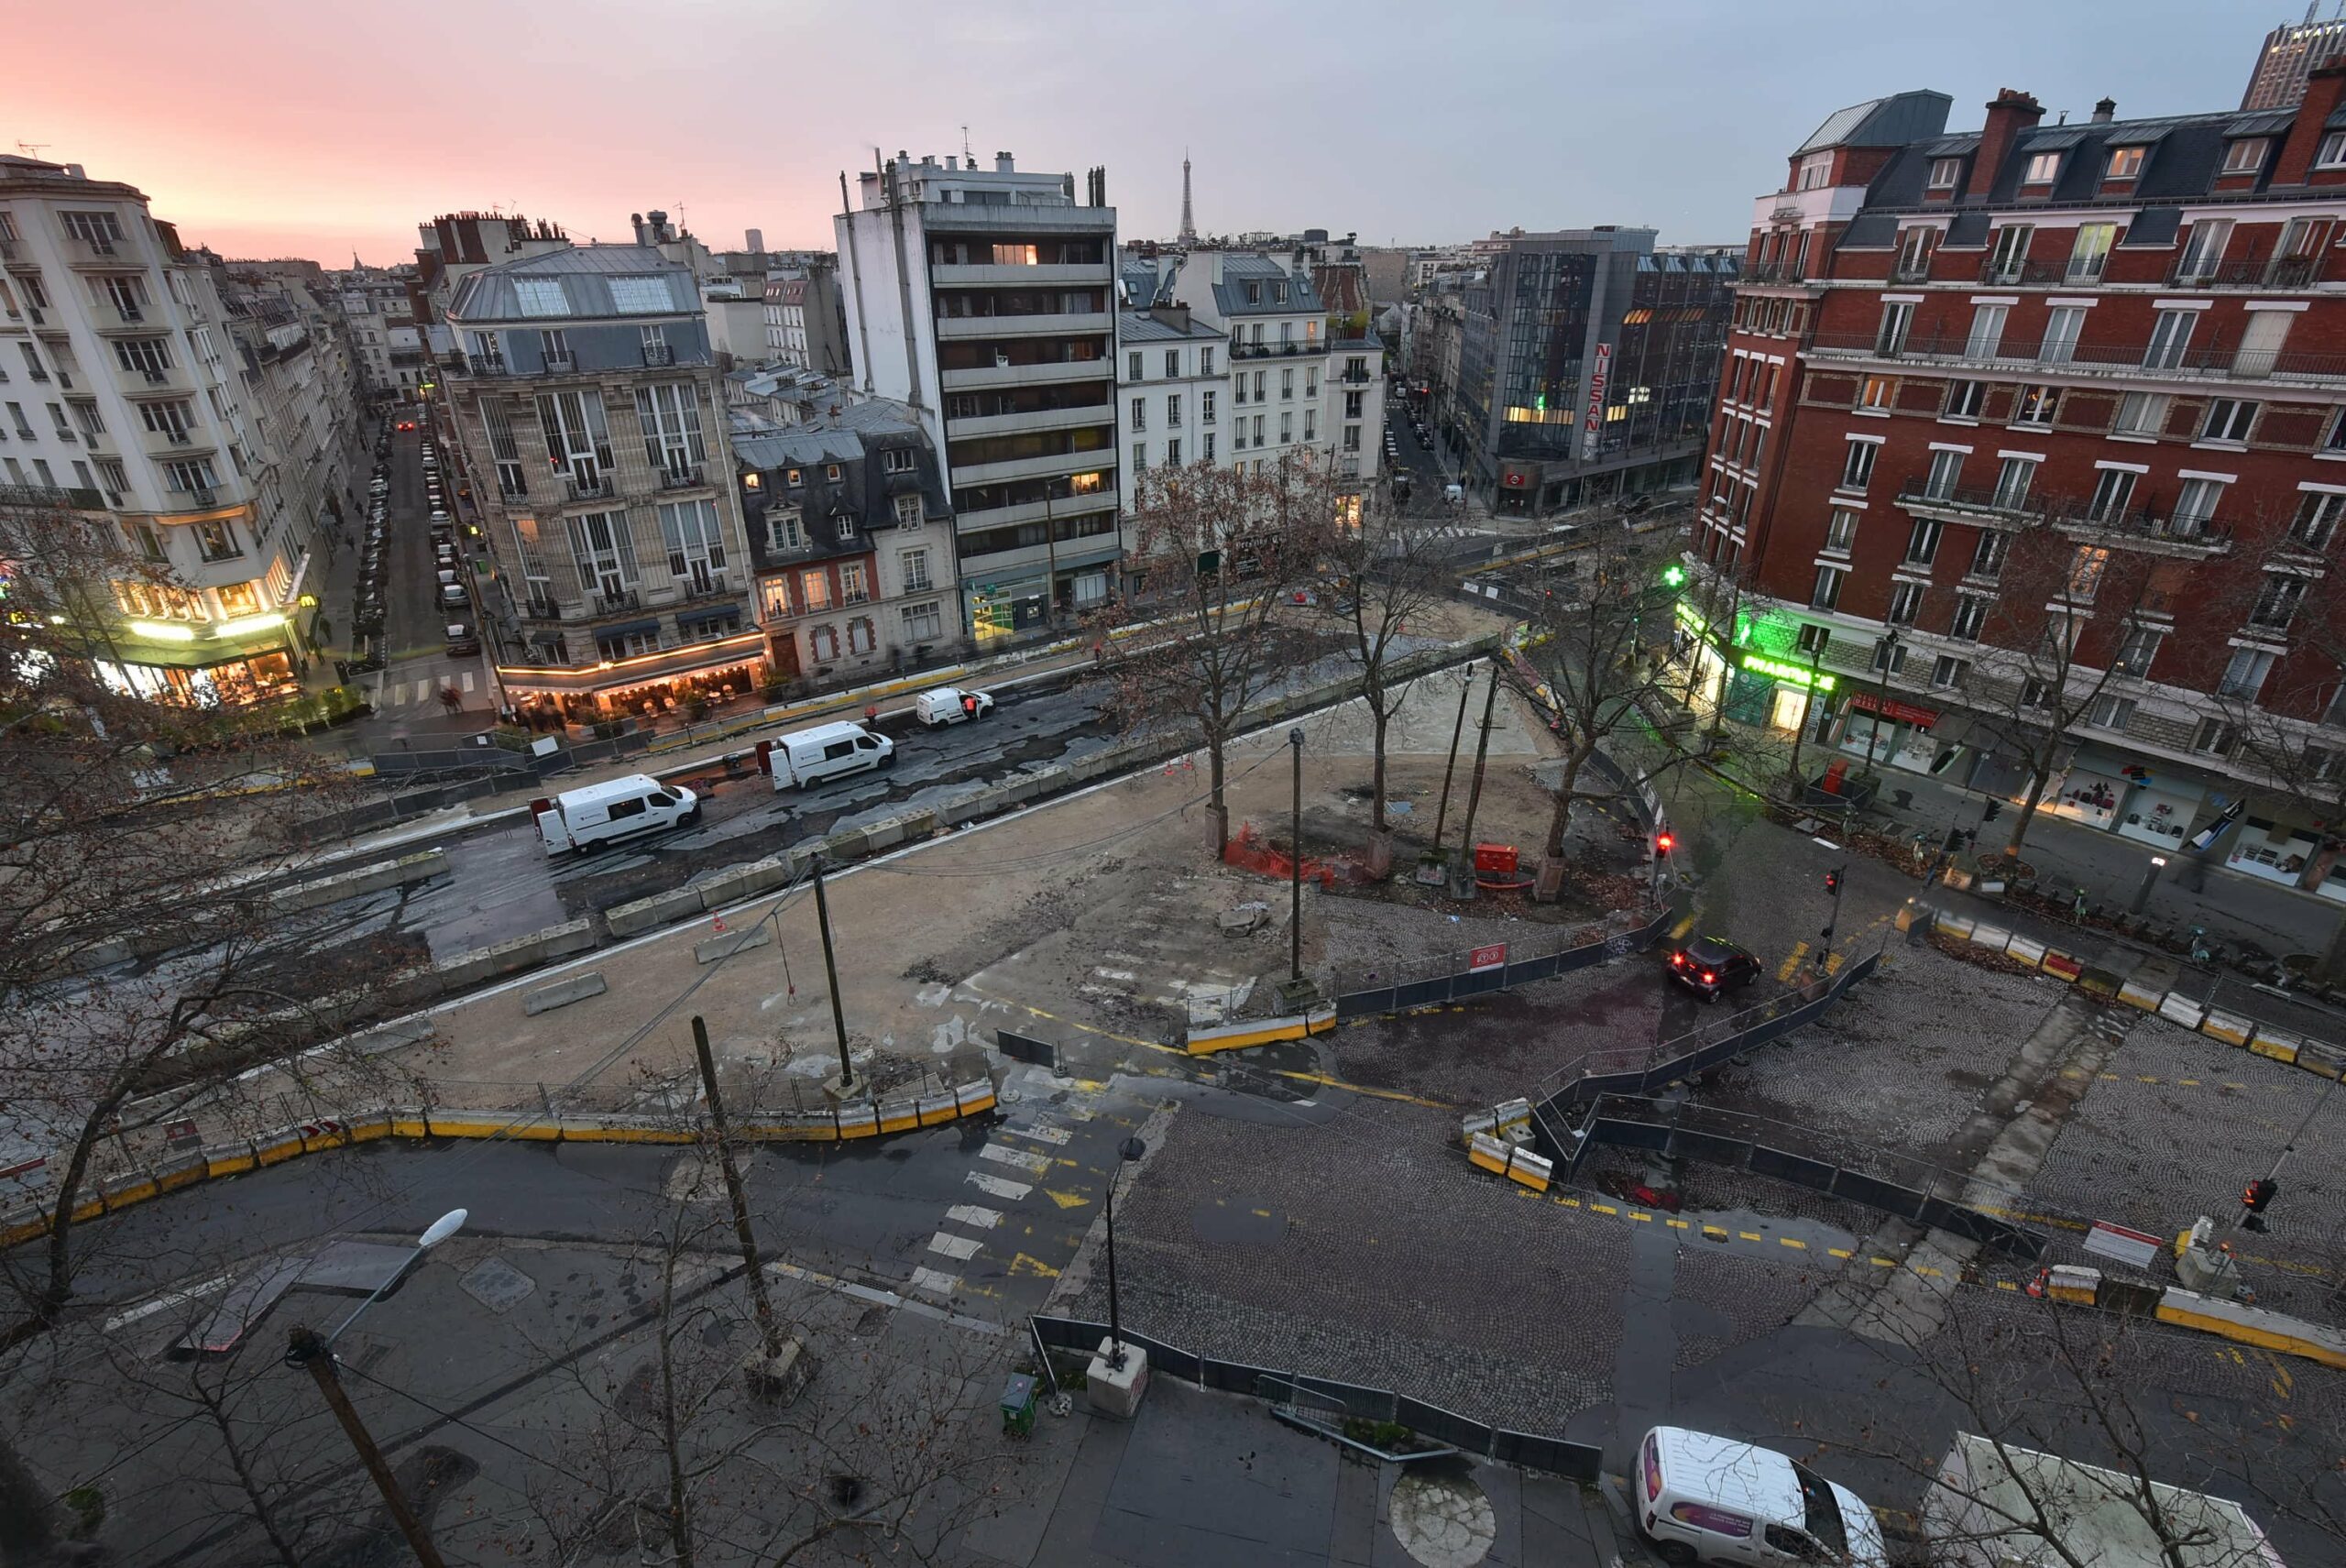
417,667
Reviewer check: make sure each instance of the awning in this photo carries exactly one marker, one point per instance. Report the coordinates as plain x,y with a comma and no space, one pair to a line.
626,628
1895,711
714,613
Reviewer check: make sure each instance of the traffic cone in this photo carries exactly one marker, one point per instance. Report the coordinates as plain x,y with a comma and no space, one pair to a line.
717,923
2036,1286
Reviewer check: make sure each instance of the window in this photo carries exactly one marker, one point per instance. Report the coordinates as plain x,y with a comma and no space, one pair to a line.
2138,649
193,474
217,541
540,297
2244,676
1140,458
145,540
899,460
669,415
1353,405
1841,532
1140,413
1173,410
2090,253
1287,384
1133,363
2332,152
2229,419
578,437
1916,247
1878,392
1966,398
2215,738
1970,613
1946,470
1826,594
1310,424
912,565
2244,156
1352,438
1923,542
1857,468
1890,337
1987,331
2170,333
1906,603
1816,169
2141,414
2194,504
2315,523
2036,405
150,354
2013,481
862,636
2203,251
2277,601
2110,711
855,587
2042,167
1286,428
1207,452
2038,693
1173,452
1205,408
695,547
2063,324
1945,172
1889,655
1948,671
815,590
2260,346
1172,363
2009,258
1205,361
1259,396
784,530
909,511
1312,380
2111,492
98,230
922,622
2087,568
604,551
823,643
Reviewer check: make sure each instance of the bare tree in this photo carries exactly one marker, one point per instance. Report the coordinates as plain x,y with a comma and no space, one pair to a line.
1212,629
1596,640
1381,572
2055,636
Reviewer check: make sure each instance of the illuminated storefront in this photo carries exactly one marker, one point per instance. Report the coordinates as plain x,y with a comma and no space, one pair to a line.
646,687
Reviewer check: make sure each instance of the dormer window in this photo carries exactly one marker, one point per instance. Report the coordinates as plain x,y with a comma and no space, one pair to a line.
1816,169
2333,154
2042,167
2245,156
1253,293
1945,172
2125,162
793,477
1279,293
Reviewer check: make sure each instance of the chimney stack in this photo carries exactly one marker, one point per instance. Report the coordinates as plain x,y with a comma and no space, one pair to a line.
2009,114
2105,111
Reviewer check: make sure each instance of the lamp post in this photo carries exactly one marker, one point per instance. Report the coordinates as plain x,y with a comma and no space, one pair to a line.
1887,656
2150,879
1294,864
315,1355
1131,1150
831,973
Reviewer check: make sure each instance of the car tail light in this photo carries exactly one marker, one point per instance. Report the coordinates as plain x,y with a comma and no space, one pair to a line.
1677,961
1708,977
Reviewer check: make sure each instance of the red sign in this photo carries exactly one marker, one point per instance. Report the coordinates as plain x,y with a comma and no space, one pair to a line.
1896,712
1492,957
1596,380
1514,476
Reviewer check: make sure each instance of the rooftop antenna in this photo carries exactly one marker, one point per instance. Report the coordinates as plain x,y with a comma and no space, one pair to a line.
31,148
967,155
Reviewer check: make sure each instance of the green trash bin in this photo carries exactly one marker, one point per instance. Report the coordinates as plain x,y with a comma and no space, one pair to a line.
1018,1405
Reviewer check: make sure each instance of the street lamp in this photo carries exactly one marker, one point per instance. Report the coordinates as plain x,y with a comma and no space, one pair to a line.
1131,1151
2150,877
306,1350
1295,865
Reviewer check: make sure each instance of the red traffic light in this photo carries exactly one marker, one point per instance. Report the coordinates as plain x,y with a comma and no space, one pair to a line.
2258,1193
1832,882
1664,842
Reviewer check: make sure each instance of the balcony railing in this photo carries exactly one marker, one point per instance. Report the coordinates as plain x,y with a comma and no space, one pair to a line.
614,604
1990,501
587,489
560,364
1911,271
2249,272
2146,522
477,364
537,608
1777,272
2223,361
681,478
659,354
1272,350
513,490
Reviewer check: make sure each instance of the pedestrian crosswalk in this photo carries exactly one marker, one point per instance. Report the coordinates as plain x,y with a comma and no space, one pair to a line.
1012,1216
418,693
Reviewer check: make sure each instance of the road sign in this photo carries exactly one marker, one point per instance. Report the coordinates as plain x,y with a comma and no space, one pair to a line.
1492,957
2126,1246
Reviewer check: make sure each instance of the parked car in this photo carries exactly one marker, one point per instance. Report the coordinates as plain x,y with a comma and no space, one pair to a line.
578,818
950,705
1702,1498
809,756
453,597
461,639
1710,967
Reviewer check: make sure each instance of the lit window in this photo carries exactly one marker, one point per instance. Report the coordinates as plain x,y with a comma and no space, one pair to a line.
2245,156
2125,162
2042,167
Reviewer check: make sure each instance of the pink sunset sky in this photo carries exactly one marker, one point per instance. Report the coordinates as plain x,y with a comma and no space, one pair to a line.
265,128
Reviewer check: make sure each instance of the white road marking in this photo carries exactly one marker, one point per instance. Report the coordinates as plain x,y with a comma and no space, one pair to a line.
953,1246
998,1187
1115,974
931,1279
468,680
971,1215
1032,1164
147,1308
1043,1135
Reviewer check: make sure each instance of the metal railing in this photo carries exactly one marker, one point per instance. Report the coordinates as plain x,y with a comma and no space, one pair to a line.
681,478
560,364
2230,361
2250,272
599,488
2068,512
616,604
1974,499
1271,350
1777,272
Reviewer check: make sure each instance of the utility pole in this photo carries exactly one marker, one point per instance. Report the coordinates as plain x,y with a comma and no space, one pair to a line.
1457,730
759,1301
1464,885
1295,865
308,1351
831,971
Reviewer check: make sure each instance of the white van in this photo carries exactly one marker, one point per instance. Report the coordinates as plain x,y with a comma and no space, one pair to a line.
825,751
578,818
1716,1500
950,705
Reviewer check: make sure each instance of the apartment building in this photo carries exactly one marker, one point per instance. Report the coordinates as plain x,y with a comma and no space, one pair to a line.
1575,365
585,398
982,298
1171,392
377,307
305,396
850,533
2038,430
805,321
125,393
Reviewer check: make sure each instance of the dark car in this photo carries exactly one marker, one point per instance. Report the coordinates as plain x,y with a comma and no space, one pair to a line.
1712,966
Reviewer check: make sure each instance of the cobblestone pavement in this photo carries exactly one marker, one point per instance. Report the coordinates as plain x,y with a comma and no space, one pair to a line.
2176,1128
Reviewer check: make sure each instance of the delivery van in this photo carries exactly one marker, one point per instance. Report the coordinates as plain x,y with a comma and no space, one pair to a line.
825,751
950,705
1702,1498
617,808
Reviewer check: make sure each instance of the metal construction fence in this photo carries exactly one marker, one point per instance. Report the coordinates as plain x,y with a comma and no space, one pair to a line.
1577,1460
1479,971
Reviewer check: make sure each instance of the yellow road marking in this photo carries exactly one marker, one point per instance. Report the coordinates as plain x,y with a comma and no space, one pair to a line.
1324,1080
1262,1214
1832,964
2006,1285
1635,1215
1073,1200
1840,1252
1675,1224
1785,971
1603,1209
1751,1235
1022,1264
1568,1203
1885,1262
1928,1272
1791,1242
1712,1231
1681,927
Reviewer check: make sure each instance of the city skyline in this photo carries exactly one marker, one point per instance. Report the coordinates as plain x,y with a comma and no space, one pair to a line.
296,155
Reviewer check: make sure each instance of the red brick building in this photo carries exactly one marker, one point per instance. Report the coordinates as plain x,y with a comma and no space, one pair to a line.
2029,464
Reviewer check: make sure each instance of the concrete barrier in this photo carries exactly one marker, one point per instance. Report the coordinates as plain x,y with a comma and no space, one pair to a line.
397,1035
710,949
1994,936
2229,1027
2063,967
1488,1153
2325,1061
2272,1043
879,836
1260,1032
2022,948
649,914
1530,1169
1957,925
562,993
2181,1010
2134,994
2253,1325
2074,1284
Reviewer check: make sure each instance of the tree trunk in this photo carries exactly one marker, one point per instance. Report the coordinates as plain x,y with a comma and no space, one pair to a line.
2037,778
1560,820
1217,811
27,1513
1379,718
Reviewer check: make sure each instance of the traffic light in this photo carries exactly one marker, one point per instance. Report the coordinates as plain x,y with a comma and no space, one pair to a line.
1995,809
1662,843
1833,883
2253,1198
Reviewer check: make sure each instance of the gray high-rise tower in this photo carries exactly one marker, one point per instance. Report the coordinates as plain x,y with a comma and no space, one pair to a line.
1189,224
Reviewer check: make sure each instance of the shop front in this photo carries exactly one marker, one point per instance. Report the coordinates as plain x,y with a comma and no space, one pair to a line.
2159,810
1899,734
230,663
2089,790
2272,850
671,682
